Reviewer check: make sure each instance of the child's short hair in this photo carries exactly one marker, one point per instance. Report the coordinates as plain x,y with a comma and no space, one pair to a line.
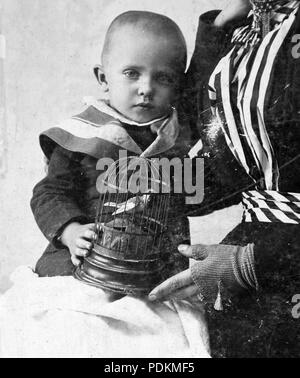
147,22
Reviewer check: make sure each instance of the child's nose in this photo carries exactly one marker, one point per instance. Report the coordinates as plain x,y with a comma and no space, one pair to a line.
146,88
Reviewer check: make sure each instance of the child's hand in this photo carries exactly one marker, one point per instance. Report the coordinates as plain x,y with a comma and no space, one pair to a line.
235,10
77,237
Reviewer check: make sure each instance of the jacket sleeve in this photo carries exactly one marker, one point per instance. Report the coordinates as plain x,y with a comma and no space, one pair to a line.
221,171
276,253
211,42
54,201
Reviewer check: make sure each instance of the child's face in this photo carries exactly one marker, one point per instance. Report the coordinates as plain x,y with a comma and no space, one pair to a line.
142,75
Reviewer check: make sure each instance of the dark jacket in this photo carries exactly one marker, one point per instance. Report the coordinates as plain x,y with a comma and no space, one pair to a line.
68,193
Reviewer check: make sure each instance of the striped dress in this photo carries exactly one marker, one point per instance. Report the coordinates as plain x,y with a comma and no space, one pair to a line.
245,92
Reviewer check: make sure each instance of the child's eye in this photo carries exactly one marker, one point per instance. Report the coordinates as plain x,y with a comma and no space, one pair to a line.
165,79
131,74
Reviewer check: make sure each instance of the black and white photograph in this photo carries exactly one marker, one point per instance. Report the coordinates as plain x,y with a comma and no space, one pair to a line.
149,181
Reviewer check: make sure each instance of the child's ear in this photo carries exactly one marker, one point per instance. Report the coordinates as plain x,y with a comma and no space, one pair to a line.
100,76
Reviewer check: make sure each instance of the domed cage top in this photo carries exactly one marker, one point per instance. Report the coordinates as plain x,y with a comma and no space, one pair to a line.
127,255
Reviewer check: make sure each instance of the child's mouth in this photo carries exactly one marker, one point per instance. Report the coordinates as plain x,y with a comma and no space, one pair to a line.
144,105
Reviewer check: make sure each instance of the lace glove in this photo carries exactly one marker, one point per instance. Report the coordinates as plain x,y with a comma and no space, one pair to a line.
222,266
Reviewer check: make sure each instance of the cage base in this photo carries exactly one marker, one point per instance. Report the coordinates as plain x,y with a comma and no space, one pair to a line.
80,275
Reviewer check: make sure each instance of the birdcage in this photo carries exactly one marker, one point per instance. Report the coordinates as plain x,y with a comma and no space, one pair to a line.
131,222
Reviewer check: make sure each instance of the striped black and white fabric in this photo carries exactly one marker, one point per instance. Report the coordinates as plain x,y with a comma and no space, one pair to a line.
281,10
271,206
238,89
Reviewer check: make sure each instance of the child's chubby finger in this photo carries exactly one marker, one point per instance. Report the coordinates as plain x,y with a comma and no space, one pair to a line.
83,244
89,234
81,252
90,226
75,260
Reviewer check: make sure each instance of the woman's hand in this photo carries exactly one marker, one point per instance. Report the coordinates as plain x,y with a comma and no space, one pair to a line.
234,11
217,266
180,286
78,238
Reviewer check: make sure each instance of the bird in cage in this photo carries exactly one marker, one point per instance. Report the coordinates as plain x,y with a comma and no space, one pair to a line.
128,253
137,203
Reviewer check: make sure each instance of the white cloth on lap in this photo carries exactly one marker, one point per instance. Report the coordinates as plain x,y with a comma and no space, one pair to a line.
62,317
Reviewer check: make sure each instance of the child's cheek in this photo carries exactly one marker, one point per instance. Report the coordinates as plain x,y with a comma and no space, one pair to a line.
173,95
